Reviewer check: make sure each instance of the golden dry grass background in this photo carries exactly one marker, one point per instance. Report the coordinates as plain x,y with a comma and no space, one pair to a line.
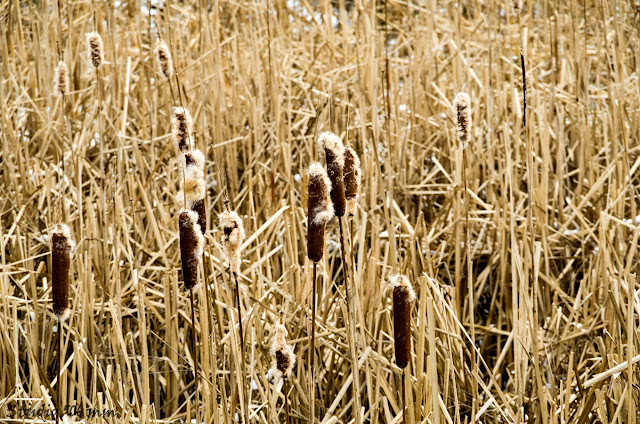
551,208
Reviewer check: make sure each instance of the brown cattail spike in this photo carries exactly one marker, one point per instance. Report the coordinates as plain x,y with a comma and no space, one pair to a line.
191,247
61,80
96,49
403,297
517,7
163,58
352,176
182,128
283,357
194,186
320,210
232,237
334,152
61,249
462,109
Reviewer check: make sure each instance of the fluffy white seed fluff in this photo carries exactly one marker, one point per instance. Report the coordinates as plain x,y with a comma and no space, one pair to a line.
324,213
399,280
96,49
182,125
193,186
330,141
163,58
61,80
193,217
232,237
198,159
279,344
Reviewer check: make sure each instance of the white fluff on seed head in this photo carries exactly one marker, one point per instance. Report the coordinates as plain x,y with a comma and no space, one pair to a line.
324,213
163,57
96,49
61,80
231,223
279,344
198,158
329,141
400,280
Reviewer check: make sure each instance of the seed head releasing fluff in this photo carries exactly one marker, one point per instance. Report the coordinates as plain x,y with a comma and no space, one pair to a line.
283,357
163,57
182,128
403,297
96,49
352,174
194,186
334,152
61,79
462,109
191,247
320,210
62,246
232,238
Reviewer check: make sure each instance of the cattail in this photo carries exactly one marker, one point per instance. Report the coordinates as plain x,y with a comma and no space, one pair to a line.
62,246
61,80
320,210
232,238
194,162
191,247
96,49
462,108
517,6
163,57
334,152
283,357
182,128
352,176
403,297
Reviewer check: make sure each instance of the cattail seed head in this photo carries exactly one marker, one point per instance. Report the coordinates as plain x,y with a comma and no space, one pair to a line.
62,246
196,158
182,128
352,175
195,186
191,247
232,237
61,80
320,210
517,7
163,57
462,109
283,357
334,152
403,297
96,48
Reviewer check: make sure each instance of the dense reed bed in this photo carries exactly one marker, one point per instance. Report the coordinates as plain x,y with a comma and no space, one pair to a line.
520,242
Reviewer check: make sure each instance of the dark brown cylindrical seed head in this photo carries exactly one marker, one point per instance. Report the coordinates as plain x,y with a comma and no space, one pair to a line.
403,297
351,180
319,211
163,57
283,357
334,152
61,248
199,207
182,128
282,361
191,247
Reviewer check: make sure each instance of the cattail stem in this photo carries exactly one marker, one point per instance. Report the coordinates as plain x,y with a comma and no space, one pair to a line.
194,352
286,401
352,330
312,350
103,177
404,398
59,381
242,367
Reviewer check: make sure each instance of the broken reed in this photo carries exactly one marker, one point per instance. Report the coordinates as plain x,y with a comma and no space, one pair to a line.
403,297
62,246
